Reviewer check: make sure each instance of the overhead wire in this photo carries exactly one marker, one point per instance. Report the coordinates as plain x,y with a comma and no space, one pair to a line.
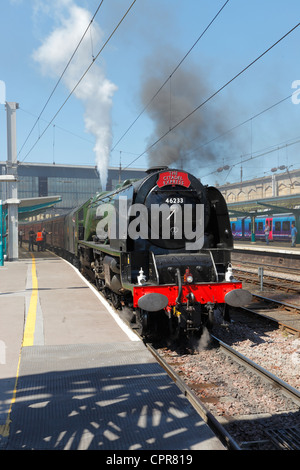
240,124
170,76
214,94
61,76
78,136
262,154
91,141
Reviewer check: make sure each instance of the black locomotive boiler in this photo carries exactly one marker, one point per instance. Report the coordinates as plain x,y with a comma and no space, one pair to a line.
160,245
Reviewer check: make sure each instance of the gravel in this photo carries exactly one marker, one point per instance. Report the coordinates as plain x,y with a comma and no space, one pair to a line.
270,347
246,406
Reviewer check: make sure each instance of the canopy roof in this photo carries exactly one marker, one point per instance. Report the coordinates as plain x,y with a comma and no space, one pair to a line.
33,205
272,205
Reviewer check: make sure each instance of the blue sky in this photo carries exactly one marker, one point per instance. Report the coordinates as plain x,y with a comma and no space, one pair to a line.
98,124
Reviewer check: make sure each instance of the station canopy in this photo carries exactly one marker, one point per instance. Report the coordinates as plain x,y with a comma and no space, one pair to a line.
271,205
33,206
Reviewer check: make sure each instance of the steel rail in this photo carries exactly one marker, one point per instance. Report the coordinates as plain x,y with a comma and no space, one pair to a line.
278,302
287,389
287,308
205,414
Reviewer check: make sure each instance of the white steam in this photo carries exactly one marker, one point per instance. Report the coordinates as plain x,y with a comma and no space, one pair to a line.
95,90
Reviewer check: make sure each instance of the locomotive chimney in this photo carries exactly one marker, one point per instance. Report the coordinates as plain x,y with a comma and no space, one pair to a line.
154,169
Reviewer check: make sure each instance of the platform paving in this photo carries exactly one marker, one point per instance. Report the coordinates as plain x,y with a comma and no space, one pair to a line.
75,377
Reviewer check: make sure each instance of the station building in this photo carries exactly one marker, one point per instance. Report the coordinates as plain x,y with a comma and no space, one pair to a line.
282,184
75,184
277,194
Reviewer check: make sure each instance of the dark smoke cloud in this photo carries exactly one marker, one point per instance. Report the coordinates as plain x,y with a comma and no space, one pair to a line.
187,88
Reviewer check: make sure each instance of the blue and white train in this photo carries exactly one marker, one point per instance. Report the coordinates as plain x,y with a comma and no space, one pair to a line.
280,227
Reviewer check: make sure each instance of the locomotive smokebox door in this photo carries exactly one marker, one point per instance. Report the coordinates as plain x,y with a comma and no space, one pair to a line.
153,302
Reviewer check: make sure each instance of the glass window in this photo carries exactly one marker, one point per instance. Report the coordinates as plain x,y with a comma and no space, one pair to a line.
28,187
74,191
277,226
43,186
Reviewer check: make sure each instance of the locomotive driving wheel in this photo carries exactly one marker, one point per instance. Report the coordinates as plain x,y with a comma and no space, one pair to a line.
115,299
142,317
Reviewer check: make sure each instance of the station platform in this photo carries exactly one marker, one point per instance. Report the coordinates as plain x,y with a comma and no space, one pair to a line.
73,376
275,254
259,245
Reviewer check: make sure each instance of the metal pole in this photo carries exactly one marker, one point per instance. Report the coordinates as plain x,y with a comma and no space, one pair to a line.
12,201
253,229
261,277
1,235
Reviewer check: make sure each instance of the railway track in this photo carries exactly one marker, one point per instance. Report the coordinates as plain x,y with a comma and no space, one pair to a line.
268,281
253,408
228,441
247,405
286,315
266,300
255,264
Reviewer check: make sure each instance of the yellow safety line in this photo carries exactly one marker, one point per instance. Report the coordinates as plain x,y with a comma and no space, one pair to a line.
28,338
4,428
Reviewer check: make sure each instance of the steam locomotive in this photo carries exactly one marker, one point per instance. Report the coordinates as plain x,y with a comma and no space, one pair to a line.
160,245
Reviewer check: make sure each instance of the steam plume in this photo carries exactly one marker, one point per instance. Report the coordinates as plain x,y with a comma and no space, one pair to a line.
95,91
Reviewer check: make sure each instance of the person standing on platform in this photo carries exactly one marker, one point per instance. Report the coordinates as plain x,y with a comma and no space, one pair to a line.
44,236
39,240
267,233
294,234
20,237
31,239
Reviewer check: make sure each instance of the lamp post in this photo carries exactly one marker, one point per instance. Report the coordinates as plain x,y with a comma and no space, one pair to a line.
1,237
12,201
